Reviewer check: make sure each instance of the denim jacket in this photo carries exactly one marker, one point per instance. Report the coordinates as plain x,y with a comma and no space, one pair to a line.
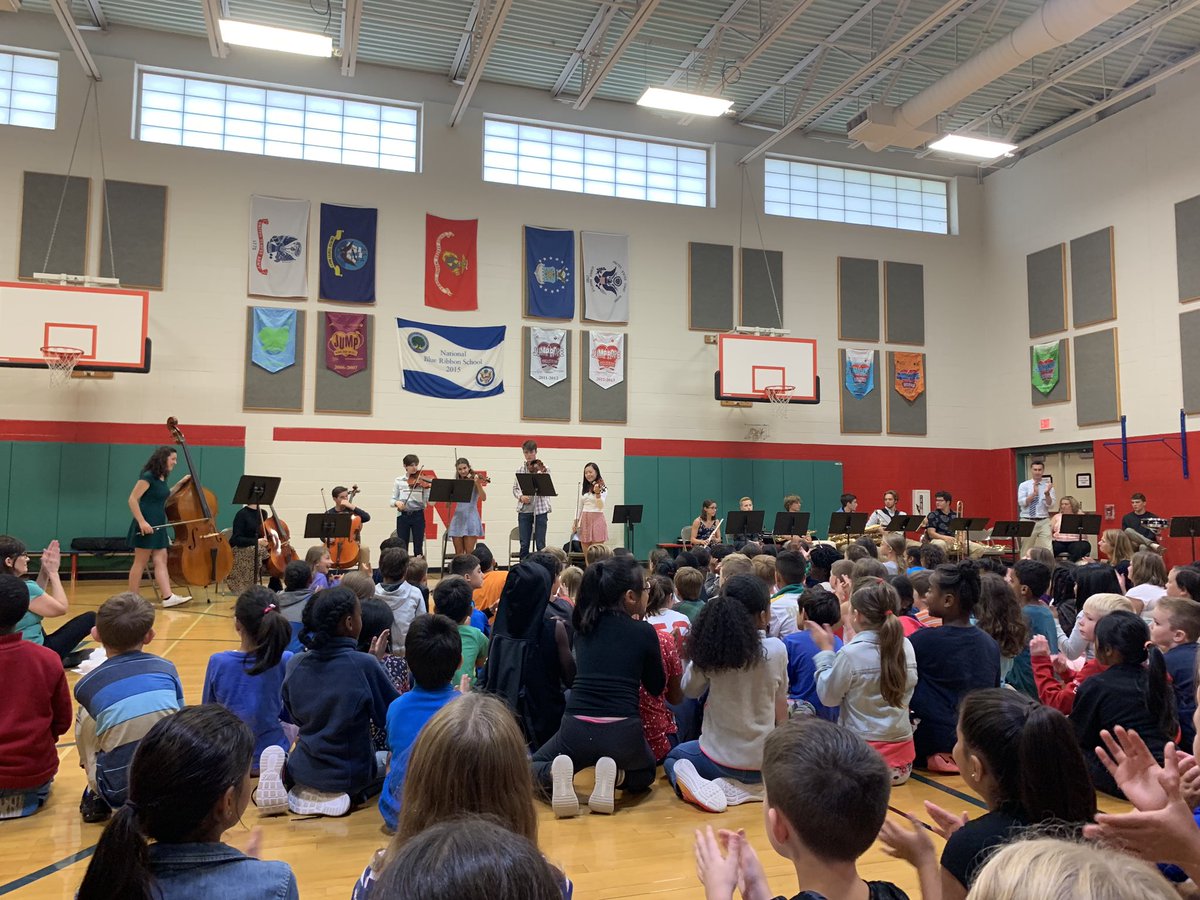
850,679
218,870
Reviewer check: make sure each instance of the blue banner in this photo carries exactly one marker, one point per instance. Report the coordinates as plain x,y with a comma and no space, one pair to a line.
549,273
455,362
860,372
273,344
348,253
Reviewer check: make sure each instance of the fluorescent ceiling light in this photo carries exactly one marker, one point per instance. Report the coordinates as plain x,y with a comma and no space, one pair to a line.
976,148
245,34
682,102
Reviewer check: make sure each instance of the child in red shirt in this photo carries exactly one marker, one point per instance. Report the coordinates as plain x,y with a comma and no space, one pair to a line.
32,718
658,722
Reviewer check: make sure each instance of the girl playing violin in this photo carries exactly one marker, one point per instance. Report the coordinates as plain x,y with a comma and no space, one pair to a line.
147,532
410,496
590,523
465,527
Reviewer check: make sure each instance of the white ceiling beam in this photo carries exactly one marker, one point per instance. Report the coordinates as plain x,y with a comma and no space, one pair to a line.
214,11
62,10
462,52
713,34
352,12
483,40
595,79
765,40
595,33
97,14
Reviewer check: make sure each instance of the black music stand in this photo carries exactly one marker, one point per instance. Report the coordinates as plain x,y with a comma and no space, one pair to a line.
1188,527
1014,530
451,490
1082,524
903,523
791,523
536,485
629,516
326,527
968,525
260,490
744,523
847,524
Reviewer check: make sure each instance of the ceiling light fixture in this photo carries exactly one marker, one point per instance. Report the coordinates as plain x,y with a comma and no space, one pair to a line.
974,147
682,102
264,37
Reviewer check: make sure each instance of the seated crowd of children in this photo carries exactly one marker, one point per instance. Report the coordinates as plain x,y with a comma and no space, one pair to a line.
799,678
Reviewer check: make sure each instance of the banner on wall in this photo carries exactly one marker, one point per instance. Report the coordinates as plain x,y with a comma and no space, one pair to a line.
348,253
345,343
606,361
451,275
547,355
274,345
549,273
454,362
606,287
1044,368
860,372
910,375
278,247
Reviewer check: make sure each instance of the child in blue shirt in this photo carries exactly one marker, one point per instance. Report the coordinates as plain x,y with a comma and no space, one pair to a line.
1174,630
820,606
433,649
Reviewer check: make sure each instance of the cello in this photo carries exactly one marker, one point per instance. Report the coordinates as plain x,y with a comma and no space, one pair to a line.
200,554
344,552
280,551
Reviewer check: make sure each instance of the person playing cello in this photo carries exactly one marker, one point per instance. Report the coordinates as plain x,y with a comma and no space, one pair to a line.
343,502
148,503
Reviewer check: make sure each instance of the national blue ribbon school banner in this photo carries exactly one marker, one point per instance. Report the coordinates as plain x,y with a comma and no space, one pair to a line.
273,346
549,273
454,362
348,253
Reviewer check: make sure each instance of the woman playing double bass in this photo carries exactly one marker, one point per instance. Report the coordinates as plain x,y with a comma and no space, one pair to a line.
148,534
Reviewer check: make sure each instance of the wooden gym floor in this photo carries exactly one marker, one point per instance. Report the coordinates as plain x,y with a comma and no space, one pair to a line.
643,850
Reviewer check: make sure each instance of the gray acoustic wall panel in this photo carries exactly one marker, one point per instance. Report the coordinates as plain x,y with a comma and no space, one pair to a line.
905,416
863,416
762,288
41,197
1046,281
597,404
1093,294
282,390
1189,344
1061,392
1187,248
904,299
858,299
344,394
710,287
136,217
1097,381
540,403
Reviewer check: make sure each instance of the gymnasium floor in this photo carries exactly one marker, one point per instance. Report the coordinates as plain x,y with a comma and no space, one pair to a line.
644,850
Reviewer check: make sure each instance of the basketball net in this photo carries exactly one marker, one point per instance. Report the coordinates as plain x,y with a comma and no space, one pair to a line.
61,363
780,396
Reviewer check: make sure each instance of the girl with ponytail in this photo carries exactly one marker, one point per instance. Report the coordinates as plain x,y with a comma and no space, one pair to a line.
872,677
249,681
1132,692
952,661
188,784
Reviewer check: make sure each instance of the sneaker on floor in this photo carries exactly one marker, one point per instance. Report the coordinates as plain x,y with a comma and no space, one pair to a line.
175,600
900,774
94,808
562,795
306,801
699,791
942,763
736,793
271,797
602,800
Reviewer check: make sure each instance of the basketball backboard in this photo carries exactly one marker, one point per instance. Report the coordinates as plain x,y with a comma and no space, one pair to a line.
108,324
749,364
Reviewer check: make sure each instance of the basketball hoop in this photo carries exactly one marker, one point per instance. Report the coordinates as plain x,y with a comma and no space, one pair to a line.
780,396
61,363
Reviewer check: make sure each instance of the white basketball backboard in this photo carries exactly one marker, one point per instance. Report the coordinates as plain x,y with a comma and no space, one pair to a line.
749,364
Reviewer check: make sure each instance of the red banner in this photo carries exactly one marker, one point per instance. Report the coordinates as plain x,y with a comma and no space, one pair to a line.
451,280
345,343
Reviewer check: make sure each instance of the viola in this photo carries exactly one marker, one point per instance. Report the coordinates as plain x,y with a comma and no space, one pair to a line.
344,552
200,554
279,548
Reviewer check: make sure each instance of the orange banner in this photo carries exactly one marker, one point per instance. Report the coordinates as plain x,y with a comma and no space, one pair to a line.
910,375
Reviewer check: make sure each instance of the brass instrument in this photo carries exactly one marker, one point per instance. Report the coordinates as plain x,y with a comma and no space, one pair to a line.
960,537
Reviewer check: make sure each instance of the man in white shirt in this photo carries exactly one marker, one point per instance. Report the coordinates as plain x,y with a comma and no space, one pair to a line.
1036,502
882,517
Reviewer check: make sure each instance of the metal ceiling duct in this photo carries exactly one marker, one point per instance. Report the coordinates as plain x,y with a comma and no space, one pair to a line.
910,125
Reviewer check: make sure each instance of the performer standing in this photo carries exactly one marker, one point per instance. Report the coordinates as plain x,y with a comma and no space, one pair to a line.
590,522
465,527
410,496
1035,503
246,533
148,503
532,512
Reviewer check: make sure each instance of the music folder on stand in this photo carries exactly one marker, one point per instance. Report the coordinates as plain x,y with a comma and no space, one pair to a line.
326,527
451,490
1014,530
260,490
628,515
536,485
847,524
903,523
744,523
790,523
967,524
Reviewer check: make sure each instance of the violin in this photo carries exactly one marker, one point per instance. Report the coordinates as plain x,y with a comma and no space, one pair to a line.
414,481
598,487
344,552
483,480
535,467
280,551
200,554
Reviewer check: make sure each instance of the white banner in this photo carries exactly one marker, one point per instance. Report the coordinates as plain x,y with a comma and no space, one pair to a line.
449,361
606,361
278,247
547,355
606,285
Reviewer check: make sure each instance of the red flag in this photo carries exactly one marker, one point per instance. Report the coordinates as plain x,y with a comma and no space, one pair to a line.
451,281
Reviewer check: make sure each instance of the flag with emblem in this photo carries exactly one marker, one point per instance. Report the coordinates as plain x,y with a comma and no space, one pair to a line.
345,343
547,355
549,273
451,273
454,362
860,372
1045,366
348,253
606,277
910,375
606,361
273,346
278,247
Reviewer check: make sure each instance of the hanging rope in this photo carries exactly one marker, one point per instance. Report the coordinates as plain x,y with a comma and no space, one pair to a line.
67,180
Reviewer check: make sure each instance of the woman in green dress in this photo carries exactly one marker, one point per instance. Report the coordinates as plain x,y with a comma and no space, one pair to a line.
148,503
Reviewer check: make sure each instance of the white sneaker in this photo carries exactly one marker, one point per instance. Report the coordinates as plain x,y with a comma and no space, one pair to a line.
737,793
271,796
175,600
700,791
602,800
562,798
306,801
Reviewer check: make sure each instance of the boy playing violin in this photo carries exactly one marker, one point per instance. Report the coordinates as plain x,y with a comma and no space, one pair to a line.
410,496
532,512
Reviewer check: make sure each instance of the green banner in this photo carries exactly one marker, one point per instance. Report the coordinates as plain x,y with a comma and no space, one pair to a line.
1044,366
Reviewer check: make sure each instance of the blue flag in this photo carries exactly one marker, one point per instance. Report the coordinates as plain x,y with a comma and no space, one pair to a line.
273,345
348,253
860,372
456,362
549,273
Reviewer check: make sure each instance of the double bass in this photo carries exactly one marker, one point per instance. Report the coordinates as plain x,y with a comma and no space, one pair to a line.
200,554
280,551
344,552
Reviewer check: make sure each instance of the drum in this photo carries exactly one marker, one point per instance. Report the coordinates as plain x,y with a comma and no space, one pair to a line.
1155,523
